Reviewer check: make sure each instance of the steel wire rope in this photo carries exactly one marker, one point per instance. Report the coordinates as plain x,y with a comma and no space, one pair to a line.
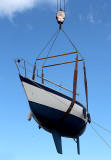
73,45
64,5
47,44
60,4
100,126
51,46
57,5
101,137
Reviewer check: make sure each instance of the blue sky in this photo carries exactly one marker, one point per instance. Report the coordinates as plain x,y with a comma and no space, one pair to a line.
24,29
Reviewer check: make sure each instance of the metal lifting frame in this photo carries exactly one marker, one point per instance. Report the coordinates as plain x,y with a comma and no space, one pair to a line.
42,75
38,59
44,58
62,63
58,56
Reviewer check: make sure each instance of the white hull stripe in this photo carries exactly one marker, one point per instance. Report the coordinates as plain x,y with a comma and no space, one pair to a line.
46,96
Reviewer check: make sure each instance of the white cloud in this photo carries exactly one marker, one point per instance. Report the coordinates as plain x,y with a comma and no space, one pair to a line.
91,19
10,7
109,37
81,17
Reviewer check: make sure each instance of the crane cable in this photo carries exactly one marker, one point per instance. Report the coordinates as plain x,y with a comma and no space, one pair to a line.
47,44
100,126
101,137
66,35
64,5
42,75
71,42
56,36
59,5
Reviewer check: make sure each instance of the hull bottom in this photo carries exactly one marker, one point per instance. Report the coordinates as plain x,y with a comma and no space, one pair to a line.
47,117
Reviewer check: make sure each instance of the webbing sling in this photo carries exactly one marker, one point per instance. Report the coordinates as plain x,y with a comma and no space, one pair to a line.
34,69
74,92
85,83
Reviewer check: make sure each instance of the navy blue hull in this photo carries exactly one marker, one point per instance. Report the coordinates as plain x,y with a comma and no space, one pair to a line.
48,117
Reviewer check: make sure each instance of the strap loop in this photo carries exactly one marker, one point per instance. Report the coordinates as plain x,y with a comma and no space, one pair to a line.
86,88
34,69
74,92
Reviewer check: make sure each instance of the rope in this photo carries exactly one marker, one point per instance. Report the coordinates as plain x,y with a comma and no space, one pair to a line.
64,5
47,44
57,5
73,45
69,40
60,4
101,137
51,46
100,126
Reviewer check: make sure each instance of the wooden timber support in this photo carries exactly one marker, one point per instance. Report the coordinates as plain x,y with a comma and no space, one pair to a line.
56,56
63,63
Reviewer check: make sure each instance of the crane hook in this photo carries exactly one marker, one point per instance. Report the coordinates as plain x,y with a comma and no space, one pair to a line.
60,16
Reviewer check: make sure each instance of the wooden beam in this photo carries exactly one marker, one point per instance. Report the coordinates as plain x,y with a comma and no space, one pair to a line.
63,63
56,56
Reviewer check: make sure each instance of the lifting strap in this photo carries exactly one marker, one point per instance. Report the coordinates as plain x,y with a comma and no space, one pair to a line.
74,92
86,88
34,69
42,76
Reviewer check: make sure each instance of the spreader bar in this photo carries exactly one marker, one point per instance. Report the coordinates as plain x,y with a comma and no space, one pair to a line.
62,63
56,56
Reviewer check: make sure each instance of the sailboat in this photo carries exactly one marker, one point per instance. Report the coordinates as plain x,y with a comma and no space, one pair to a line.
56,112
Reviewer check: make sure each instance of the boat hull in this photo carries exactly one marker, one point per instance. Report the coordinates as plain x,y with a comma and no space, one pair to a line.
48,106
